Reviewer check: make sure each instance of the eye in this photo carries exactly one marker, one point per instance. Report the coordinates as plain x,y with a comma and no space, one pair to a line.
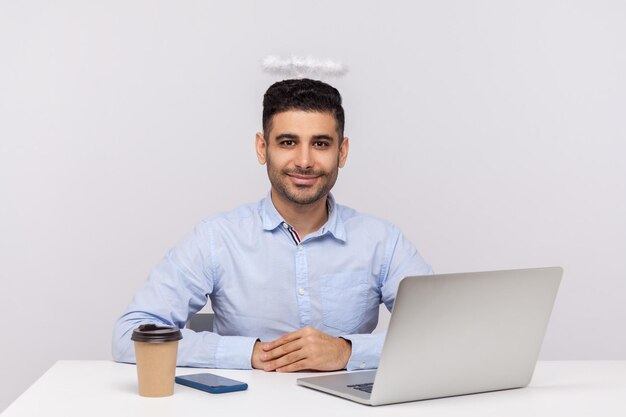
321,144
287,143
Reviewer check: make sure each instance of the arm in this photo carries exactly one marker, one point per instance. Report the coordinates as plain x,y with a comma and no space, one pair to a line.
404,260
177,288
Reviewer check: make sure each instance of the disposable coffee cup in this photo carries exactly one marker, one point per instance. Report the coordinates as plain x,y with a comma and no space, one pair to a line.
156,348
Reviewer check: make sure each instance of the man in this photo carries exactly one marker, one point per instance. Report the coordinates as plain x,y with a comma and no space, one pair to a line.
296,280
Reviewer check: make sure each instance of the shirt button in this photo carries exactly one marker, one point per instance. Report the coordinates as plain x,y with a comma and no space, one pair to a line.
301,291
285,225
300,248
362,365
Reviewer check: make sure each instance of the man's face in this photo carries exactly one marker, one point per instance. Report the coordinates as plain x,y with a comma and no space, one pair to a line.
303,155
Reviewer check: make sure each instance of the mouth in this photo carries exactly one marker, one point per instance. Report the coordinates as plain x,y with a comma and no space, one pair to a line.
303,180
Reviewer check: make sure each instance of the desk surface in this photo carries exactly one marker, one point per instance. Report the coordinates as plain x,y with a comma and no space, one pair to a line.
103,388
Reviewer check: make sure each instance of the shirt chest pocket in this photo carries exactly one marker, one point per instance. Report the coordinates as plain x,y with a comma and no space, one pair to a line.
344,299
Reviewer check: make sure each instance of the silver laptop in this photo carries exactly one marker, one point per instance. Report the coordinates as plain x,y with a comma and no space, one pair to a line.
455,334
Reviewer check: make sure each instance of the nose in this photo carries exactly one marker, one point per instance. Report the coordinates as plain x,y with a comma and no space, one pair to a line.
303,158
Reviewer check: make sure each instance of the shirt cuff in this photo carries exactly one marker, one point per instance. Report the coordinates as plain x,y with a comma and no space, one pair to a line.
234,352
366,350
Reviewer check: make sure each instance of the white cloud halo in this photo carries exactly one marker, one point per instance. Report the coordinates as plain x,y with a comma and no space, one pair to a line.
301,67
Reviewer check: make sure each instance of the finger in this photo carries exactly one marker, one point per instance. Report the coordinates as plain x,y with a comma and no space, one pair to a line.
286,338
281,350
284,361
295,366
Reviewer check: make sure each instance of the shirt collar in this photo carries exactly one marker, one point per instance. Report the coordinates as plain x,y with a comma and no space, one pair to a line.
272,219
269,215
334,225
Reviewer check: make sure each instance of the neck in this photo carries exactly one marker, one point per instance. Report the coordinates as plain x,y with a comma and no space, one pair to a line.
305,218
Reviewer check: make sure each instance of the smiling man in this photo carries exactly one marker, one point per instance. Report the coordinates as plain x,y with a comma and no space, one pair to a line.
295,280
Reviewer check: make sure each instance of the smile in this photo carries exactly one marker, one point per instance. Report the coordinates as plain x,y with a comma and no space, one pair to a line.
303,179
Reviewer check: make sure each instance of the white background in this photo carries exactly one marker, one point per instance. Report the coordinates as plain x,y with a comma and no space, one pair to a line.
491,132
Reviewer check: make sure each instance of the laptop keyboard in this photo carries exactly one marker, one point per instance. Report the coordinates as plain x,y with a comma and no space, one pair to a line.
367,387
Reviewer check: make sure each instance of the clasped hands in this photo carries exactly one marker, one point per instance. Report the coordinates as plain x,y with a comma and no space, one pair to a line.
306,348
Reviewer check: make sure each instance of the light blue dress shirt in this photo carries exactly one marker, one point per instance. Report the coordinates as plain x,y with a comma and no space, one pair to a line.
263,284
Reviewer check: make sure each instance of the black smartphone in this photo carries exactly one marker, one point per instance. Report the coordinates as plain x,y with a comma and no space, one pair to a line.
214,384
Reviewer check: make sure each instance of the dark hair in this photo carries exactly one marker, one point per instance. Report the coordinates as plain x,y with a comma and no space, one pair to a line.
302,94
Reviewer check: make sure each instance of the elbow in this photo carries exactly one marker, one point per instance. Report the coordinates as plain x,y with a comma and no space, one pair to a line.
122,349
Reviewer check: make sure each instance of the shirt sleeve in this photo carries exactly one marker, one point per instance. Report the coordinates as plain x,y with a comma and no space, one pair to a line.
177,288
402,260
366,350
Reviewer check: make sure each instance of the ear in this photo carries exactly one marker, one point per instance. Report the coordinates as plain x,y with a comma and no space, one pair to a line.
261,148
343,151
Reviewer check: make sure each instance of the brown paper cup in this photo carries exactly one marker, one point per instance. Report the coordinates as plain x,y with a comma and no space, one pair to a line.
156,360
156,366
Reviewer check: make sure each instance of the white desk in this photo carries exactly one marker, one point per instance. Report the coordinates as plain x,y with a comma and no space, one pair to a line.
102,388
